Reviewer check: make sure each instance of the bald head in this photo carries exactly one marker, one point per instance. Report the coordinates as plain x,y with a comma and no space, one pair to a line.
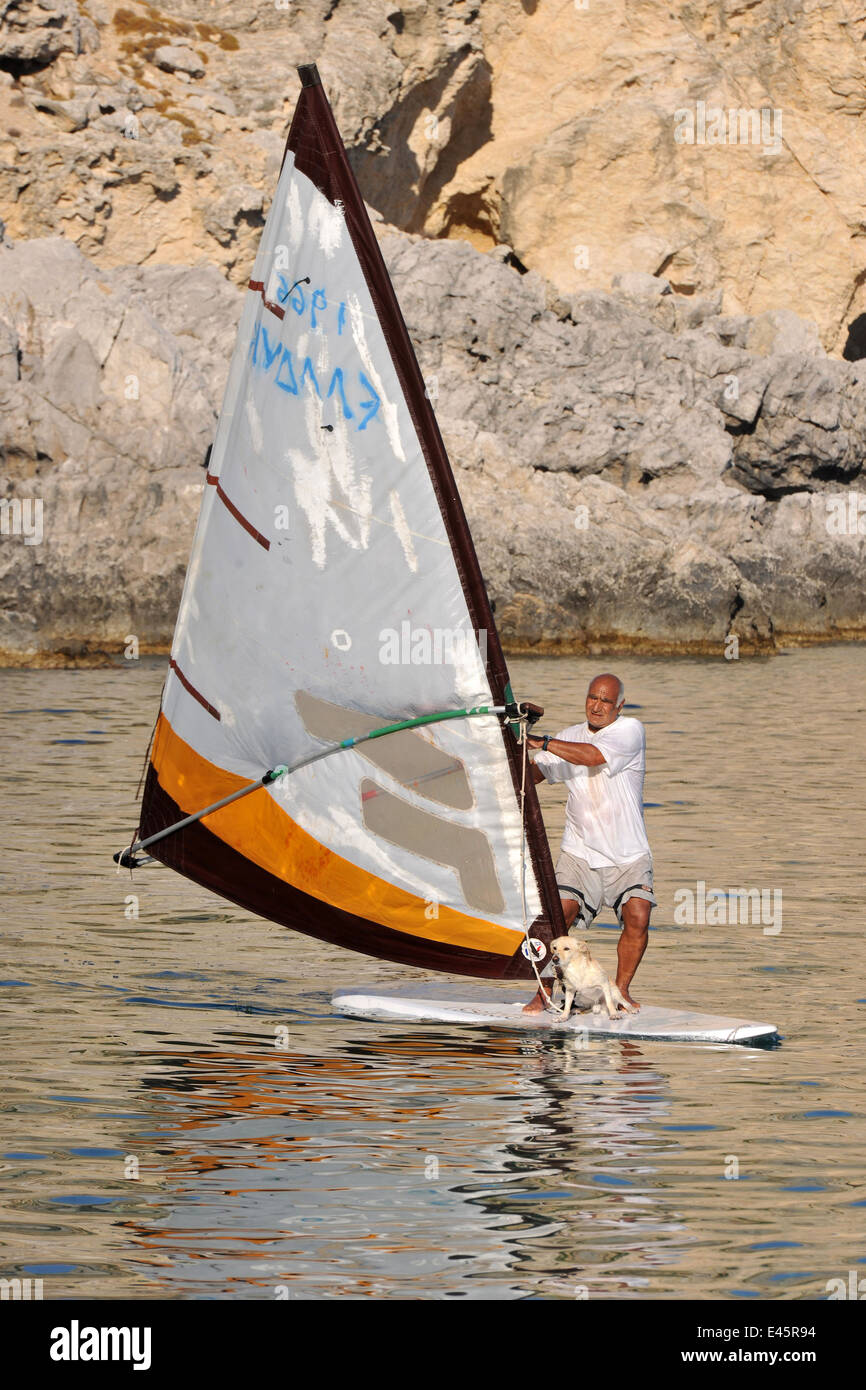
609,681
604,700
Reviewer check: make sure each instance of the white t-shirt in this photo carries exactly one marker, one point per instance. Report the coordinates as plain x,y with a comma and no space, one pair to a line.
604,822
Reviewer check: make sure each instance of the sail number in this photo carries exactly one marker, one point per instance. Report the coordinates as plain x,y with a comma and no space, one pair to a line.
294,376
295,296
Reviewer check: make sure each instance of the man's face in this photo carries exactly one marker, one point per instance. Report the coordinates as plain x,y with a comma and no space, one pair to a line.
601,703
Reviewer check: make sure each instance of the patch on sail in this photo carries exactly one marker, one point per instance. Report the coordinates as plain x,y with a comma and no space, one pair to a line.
409,757
432,837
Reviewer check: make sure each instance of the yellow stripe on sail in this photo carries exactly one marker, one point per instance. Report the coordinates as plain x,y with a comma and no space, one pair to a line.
262,832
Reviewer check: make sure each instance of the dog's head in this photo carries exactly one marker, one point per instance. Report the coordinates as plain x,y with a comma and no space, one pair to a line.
565,949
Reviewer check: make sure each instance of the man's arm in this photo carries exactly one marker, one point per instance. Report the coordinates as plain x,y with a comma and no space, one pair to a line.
583,754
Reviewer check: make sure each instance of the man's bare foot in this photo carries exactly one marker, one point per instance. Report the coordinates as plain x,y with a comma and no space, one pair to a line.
536,1005
627,997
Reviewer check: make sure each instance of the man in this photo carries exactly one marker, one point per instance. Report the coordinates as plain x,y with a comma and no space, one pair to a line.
605,860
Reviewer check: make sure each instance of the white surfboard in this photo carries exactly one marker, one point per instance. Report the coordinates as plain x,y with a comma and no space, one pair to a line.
501,1006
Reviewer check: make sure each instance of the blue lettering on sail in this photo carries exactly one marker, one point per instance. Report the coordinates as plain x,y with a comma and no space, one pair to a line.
270,352
309,372
318,302
290,385
374,403
358,399
337,381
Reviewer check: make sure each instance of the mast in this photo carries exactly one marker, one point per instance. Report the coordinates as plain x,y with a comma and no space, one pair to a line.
321,155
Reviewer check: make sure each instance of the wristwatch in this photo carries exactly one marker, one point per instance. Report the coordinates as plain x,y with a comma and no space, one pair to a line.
544,742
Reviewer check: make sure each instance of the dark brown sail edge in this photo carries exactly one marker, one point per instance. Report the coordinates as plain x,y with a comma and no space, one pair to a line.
320,154
203,856
198,854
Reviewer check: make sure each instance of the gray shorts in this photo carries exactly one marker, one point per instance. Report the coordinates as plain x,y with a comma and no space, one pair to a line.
594,889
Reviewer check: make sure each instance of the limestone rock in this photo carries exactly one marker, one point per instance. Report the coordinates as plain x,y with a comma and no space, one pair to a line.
180,59
780,330
716,146
240,201
108,388
637,284
627,484
134,151
35,32
718,152
810,430
663,489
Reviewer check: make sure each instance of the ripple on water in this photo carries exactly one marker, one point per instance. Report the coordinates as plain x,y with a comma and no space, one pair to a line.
185,1115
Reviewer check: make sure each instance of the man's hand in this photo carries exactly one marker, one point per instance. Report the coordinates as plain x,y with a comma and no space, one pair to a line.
582,754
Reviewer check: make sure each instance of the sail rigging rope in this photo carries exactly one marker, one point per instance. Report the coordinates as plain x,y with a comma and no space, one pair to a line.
118,859
525,722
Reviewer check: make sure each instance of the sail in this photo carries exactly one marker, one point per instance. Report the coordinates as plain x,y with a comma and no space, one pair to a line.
333,588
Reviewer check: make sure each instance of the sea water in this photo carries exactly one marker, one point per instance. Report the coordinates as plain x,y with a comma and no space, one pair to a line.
183,1115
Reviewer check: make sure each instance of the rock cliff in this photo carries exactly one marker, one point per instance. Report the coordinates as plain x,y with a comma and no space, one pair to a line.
719,145
600,219
639,469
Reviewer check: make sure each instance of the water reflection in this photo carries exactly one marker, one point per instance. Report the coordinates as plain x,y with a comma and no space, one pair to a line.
275,1162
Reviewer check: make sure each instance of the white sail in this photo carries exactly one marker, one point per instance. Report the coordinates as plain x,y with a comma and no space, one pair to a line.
325,597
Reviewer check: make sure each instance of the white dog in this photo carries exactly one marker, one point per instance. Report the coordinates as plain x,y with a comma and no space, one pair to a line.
583,979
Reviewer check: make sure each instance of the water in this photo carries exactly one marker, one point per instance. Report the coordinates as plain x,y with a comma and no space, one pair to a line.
183,1116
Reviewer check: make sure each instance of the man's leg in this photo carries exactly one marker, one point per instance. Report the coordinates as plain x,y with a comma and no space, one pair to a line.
570,908
634,915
